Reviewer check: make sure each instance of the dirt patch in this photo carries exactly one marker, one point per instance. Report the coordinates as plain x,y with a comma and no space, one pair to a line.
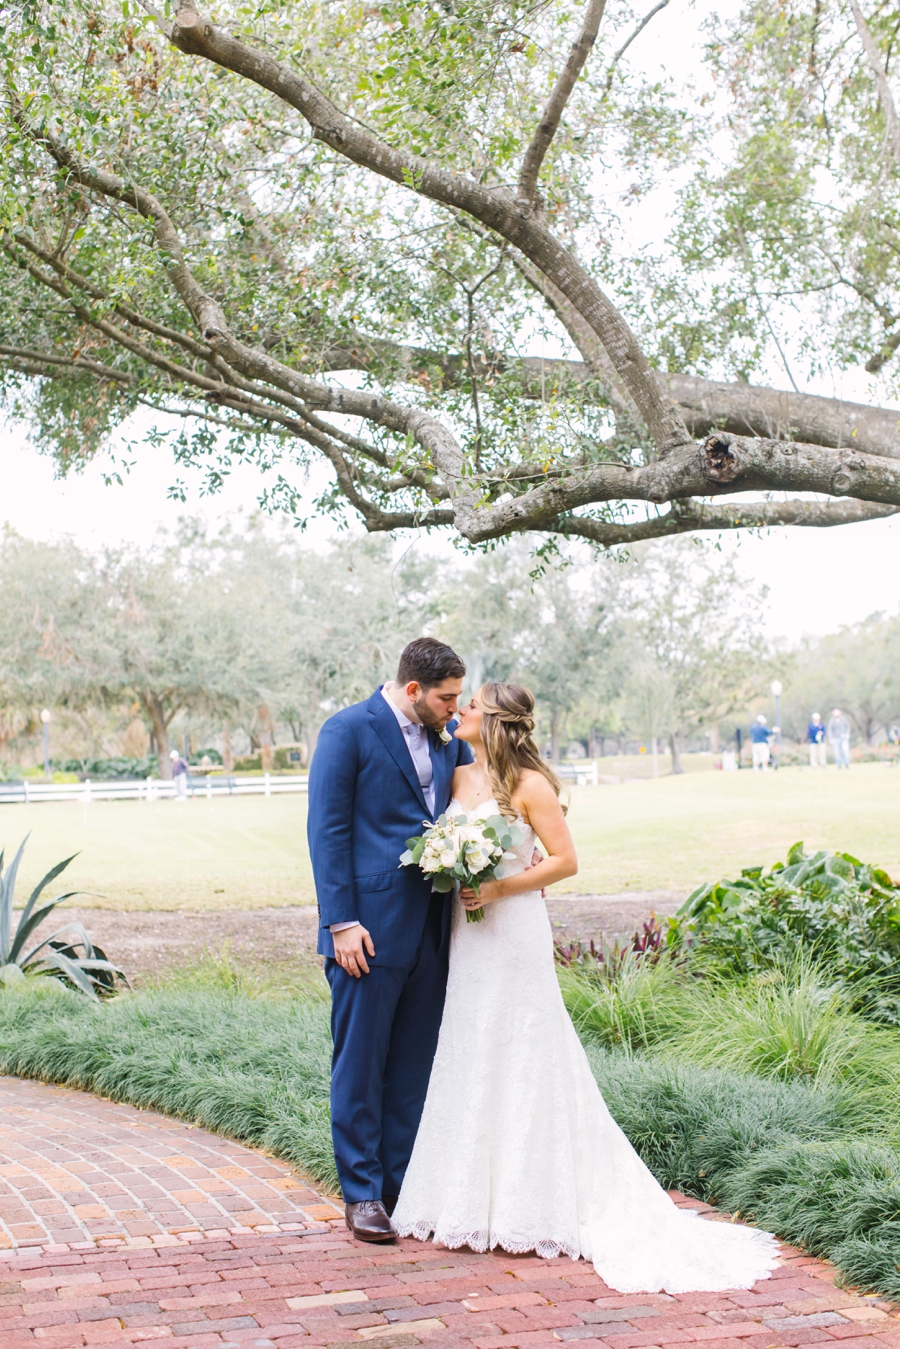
150,944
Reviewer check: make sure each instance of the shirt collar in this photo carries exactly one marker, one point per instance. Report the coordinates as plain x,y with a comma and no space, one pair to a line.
403,721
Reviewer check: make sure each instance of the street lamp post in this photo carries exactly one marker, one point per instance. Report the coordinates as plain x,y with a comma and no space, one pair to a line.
776,694
45,718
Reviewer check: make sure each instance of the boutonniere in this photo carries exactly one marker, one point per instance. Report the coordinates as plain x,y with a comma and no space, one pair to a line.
444,736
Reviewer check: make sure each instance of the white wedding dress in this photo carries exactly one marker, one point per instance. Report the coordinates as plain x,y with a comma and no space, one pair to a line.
516,1147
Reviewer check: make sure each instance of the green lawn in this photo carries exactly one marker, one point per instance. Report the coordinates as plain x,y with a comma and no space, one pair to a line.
663,834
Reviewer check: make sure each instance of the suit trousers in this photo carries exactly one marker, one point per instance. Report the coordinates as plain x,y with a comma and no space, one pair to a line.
385,1027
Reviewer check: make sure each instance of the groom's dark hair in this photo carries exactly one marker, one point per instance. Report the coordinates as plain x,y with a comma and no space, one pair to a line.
429,662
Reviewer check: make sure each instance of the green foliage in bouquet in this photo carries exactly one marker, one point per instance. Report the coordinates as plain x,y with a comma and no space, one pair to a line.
454,852
845,913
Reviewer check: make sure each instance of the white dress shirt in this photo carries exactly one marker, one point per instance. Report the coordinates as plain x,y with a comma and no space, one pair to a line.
416,737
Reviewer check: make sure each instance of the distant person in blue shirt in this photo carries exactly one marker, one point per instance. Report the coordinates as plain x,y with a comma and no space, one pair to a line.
760,736
179,774
815,734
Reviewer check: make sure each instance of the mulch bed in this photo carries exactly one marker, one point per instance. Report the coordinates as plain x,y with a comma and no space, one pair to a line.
149,944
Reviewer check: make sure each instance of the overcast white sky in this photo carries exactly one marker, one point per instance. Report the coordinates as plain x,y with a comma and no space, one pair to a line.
818,579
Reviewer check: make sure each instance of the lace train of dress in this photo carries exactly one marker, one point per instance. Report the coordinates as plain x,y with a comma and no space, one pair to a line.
516,1147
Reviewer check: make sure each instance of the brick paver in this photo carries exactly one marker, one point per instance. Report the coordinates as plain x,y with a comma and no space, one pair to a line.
123,1226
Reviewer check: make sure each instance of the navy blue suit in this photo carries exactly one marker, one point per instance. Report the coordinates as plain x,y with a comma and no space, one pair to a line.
365,801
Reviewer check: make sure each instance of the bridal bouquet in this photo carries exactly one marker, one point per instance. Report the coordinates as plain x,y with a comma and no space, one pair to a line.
455,853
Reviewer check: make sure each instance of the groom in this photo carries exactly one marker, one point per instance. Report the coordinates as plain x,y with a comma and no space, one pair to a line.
380,768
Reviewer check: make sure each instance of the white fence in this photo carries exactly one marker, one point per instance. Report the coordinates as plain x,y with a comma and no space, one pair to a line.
583,775
29,791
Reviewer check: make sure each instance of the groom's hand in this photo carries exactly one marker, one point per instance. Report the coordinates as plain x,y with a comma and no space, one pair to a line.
350,947
537,857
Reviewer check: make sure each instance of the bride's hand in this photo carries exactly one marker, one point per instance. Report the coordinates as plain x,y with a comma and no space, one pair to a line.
490,890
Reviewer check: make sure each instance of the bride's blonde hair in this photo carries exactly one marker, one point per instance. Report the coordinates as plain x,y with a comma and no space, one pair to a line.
507,732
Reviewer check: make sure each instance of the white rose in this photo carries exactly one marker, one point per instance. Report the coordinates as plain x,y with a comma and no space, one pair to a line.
448,857
444,736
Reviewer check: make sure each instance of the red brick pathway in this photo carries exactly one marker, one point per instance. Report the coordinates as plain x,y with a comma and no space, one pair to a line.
120,1230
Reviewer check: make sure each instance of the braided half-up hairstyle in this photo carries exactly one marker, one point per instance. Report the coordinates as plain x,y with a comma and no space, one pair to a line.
507,732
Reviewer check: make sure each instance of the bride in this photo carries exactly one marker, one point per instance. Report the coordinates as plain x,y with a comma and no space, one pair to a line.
516,1147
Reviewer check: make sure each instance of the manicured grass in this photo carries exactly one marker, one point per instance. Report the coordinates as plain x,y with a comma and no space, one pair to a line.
239,853
674,833
810,1162
663,834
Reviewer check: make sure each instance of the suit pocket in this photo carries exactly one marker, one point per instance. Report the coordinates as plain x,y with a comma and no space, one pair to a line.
380,880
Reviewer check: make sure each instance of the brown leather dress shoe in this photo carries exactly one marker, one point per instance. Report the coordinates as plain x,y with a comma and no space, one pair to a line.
368,1221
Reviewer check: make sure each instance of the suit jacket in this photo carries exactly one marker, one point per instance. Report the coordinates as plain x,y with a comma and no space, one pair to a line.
365,801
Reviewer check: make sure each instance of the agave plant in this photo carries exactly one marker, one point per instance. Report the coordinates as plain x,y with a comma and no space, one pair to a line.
72,958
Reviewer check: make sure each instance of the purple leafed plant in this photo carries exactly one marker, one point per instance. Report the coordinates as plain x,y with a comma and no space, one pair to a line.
647,943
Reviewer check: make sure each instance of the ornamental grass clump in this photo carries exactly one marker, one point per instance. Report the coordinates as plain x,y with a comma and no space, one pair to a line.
71,958
618,997
785,1022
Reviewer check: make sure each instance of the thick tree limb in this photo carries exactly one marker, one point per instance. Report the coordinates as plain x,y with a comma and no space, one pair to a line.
546,129
722,464
884,354
496,209
694,517
748,409
876,65
704,404
597,362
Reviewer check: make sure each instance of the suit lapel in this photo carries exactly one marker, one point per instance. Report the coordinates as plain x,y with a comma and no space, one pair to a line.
444,758
387,728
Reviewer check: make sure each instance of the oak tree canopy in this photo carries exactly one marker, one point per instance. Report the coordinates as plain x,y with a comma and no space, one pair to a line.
345,231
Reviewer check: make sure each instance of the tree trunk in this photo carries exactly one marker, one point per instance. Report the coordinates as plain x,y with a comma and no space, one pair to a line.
227,756
555,734
675,751
154,711
266,737
714,739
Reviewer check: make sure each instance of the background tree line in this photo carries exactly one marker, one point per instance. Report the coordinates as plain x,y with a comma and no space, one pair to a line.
250,639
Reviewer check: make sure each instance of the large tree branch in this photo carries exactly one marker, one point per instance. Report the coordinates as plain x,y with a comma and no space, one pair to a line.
884,353
546,129
723,464
704,404
876,65
748,409
695,517
497,209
